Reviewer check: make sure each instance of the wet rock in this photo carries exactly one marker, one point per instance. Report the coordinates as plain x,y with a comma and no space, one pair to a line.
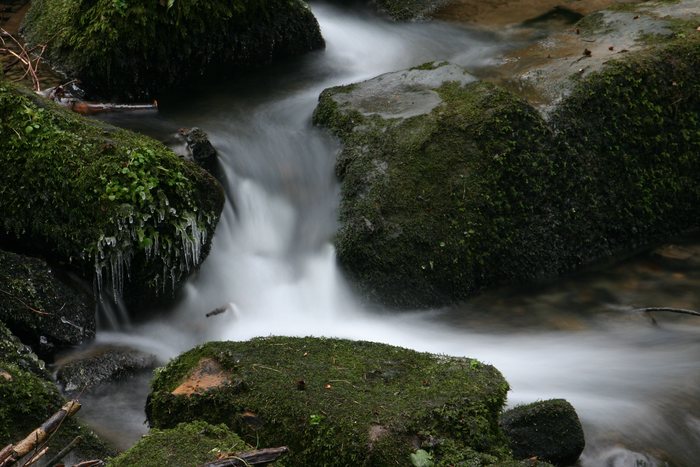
186,445
199,148
476,189
360,402
110,205
45,312
136,51
548,430
29,398
86,370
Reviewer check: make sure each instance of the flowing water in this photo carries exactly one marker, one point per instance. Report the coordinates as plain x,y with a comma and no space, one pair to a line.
633,383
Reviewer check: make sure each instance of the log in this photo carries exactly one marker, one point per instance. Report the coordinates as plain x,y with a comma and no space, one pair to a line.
5,453
64,452
37,437
256,457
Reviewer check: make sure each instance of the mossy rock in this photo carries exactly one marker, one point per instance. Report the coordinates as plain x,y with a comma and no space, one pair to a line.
186,445
337,402
29,398
479,190
137,48
101,201
47,313
441,200
409,10
548,430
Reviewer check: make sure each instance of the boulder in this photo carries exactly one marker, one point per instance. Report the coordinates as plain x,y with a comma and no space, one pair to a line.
137,49
185,445
199,148
104,202
337,402
92,368
29,398
46,312
450,186
548,430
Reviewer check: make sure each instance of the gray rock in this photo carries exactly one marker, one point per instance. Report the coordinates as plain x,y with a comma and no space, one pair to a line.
199,148
549,430
97,366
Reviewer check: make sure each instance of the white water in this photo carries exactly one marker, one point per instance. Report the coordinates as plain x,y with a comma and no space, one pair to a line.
273,262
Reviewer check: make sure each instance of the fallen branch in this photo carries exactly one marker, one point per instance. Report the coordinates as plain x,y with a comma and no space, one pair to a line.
65,451
5,453
682,311
40,312
91,463
256,457
217,311
37,437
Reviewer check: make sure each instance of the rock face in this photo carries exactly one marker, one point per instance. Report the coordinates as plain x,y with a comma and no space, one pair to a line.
35,304
104,365
186,445
549,430
104,202
474,188
136,49
337,402
29,398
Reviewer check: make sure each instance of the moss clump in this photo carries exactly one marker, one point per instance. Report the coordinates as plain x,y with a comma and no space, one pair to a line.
407,10
186,445
481,191
137,48
36,304
336,402
29,398
100,199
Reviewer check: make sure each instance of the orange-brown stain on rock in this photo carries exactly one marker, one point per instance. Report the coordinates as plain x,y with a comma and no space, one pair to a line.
207,375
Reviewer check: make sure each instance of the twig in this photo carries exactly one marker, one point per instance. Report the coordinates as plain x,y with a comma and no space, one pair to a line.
35,458
64,452
256,457
43,313
254,365
91,463
682,311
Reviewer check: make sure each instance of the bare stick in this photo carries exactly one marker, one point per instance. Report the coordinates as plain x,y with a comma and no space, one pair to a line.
256,457
64,452
43,313
35,458
217,311
682,311
5,453
41,434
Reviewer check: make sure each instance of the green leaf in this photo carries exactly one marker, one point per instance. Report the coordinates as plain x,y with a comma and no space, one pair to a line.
422,458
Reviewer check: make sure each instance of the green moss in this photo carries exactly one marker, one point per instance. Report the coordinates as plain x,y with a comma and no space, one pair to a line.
29,398
186,445
138,48
100,199
337,402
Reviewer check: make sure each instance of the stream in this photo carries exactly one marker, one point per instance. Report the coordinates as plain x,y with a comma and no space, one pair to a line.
633,381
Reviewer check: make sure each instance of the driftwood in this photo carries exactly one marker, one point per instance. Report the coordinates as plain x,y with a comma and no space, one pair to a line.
37,437
682,311
256,457
64,452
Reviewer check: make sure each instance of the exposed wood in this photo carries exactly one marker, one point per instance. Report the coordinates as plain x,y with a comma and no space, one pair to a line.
91,108
36,457
5,453
91,463
64,452
682,311
256,457
37,437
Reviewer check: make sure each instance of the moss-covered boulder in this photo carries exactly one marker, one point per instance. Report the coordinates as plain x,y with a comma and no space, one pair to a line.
477,189
102,201
548,430
337,402
46,312
29,398
445,183
186,445
138,48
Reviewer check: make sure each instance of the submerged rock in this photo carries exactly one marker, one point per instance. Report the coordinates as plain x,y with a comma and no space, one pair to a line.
548,430
137,49
186,445
29,398
104,202
336,402
84,371
47,313
476,189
